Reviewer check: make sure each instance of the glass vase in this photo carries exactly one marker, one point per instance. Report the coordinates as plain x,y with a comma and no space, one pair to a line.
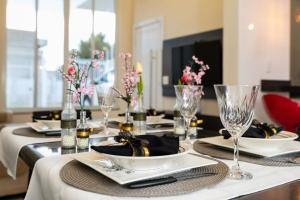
139,107
127,114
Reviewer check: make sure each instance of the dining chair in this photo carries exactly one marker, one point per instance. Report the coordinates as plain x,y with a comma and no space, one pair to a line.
283,111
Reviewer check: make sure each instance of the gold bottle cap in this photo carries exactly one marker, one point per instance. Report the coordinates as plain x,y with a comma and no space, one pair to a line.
200,121
193,124
83,133
127,127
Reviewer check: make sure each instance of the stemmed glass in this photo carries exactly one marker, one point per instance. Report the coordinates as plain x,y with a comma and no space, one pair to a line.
188,98
236,109
106,100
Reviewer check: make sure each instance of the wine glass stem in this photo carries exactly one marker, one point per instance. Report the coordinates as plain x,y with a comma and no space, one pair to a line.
187,128
105,122
236,153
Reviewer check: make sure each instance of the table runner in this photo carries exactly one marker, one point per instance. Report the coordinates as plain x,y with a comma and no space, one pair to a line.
46,184
10,145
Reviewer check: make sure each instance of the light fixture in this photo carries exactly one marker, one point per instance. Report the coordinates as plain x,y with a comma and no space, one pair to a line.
251,27
297,16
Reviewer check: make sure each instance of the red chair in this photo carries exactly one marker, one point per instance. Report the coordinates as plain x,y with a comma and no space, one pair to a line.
283,111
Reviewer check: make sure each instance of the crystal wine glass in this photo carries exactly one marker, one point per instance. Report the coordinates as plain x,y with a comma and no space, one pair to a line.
106,100
188,98
236,109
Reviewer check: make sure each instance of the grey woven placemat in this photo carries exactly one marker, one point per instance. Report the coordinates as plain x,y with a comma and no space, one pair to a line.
29,132
217,152
80,176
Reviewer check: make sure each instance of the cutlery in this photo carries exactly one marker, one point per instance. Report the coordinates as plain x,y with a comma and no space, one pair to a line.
110,166
43,126
168,179
53,133
156,126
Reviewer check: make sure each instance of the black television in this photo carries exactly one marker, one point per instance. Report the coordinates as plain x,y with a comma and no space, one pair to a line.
177,53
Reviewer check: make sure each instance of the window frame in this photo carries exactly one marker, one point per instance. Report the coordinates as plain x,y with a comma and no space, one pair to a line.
66,14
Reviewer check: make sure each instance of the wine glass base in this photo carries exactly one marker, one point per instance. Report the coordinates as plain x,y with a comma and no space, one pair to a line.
239,175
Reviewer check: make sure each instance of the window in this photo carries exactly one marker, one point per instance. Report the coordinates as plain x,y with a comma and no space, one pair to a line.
35,47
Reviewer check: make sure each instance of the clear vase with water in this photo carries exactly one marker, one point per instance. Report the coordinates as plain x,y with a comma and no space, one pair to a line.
68,124
83,132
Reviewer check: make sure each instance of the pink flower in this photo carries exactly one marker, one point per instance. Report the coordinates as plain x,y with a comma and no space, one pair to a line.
189,77
187,69
99,55
194,58
88,90
95,63
122,55
71,70
185,78
133,101
199,62
76,97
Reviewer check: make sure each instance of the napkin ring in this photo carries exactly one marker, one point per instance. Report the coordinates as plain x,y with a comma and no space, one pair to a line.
143,150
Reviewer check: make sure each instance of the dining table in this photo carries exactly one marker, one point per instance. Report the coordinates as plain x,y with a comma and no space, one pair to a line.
45,159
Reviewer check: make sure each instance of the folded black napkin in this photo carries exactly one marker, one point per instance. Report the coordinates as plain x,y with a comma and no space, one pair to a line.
257,130
143,145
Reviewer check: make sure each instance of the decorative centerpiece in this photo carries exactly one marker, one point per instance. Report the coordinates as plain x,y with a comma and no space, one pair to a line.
77,76
129,81
189,92
190,77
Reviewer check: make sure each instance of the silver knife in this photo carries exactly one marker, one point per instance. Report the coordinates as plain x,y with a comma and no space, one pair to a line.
190,174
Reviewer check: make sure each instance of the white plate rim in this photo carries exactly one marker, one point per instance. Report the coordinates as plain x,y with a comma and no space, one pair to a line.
258,152
82,157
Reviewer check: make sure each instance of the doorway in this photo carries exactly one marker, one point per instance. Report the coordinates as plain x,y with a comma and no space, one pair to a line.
147,50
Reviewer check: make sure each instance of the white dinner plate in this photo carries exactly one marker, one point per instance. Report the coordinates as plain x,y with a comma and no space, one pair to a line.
54,125
150,120
147,163
290,147
124,176
274,142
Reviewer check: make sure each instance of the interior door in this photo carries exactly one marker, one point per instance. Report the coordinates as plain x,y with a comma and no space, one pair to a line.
147,50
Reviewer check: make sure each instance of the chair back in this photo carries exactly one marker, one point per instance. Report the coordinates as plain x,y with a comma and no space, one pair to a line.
283,110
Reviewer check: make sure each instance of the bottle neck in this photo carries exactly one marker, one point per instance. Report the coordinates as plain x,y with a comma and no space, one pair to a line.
69,102
82,117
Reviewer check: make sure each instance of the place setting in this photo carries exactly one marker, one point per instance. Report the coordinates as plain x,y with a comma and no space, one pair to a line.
112,167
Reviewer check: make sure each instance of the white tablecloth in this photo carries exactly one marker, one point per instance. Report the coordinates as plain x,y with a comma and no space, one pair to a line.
46,184
10,146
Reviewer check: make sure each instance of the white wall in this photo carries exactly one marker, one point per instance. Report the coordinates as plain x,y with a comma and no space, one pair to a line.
262,53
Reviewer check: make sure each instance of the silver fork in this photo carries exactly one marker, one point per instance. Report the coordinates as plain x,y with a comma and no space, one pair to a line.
111,166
